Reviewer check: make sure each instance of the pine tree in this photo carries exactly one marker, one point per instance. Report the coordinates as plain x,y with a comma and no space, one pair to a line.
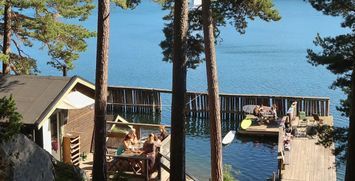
338,55
178,104
102,53
9,113
213,92
103,32
45,22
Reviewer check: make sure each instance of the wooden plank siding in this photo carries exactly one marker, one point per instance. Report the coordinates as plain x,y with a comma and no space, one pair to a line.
81,122
148,100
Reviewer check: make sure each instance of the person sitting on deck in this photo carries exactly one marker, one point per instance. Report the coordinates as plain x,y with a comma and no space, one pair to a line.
149,148
157,141
261,108
288,128
127,144
133,135
287,144
283,121
163,133
257,111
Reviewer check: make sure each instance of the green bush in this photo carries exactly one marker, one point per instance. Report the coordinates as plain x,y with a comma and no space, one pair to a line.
66,172
227,173
11,116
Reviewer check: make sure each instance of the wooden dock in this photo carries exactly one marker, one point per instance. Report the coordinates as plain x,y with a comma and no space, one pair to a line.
306,161
260,130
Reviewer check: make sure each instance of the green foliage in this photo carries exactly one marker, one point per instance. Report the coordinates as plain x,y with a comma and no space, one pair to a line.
337,55
227,173
329,134
83,156
9,114
233,12
47,22
66,172
344,8
4,58
127,4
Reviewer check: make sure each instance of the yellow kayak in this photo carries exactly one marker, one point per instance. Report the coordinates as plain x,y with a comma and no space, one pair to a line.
246,123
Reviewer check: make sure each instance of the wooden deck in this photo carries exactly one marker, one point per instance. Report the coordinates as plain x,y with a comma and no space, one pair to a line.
307,161
163,160
260,130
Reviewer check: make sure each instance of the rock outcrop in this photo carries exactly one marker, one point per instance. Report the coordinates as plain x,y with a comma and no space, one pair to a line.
22,159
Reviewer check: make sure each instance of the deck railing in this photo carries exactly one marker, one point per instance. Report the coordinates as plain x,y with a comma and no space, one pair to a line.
280,152
165,166
148,100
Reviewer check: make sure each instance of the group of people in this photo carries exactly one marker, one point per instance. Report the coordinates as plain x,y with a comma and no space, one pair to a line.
265,111
287,126
131,143
288,133
131,140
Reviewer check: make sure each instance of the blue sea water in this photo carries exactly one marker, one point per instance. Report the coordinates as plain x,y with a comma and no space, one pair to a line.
269,59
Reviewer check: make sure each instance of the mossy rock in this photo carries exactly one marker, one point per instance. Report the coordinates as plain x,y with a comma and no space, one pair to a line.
66,172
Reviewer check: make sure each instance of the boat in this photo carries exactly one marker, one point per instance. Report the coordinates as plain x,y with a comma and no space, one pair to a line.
229,137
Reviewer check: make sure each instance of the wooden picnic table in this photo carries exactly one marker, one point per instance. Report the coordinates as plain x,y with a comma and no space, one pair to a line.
137,162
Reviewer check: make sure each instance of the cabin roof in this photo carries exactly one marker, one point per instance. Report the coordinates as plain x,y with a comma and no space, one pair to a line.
36,97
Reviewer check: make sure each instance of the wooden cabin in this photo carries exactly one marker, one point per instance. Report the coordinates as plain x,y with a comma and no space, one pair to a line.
57,112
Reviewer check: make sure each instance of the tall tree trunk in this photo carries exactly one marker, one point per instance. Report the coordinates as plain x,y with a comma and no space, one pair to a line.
7,36
177,154
350,162
213,92
103,32
65,70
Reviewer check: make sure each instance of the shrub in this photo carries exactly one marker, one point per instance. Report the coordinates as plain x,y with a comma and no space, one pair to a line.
9,114
227,173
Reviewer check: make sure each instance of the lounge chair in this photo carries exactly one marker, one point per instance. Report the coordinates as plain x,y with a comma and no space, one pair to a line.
302,115
316,118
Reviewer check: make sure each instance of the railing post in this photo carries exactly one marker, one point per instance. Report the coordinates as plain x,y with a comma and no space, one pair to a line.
159,166
146,170
328,107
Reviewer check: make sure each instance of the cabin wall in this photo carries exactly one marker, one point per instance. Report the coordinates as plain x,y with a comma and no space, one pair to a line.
81,122
47,142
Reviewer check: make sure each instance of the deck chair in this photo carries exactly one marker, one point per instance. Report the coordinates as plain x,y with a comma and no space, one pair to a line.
302,115
316,118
